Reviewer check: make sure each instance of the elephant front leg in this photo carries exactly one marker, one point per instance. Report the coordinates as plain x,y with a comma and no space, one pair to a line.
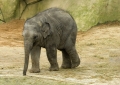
52,57
35,56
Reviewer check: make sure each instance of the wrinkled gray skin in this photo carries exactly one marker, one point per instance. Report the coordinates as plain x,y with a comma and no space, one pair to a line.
51,29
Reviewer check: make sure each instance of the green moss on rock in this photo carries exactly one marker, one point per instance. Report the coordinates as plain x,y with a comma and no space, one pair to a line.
8,8
87,13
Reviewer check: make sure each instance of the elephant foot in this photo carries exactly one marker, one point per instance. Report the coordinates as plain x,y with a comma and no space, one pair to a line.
75,64
34,70
66,66
53,69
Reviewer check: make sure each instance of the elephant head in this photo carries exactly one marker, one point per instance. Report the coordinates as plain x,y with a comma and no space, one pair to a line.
34,33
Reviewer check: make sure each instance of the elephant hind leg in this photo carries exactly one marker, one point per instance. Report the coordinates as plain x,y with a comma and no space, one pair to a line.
71,50
66,60
75,60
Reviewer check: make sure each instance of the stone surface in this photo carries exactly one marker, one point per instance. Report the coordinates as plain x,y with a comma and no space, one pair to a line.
87,13
8,8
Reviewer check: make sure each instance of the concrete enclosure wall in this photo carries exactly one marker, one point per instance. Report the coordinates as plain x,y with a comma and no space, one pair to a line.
87,13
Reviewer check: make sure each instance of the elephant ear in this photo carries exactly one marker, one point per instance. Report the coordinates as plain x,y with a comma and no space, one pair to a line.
45,29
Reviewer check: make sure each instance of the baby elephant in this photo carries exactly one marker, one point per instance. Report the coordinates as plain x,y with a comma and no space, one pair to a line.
51,29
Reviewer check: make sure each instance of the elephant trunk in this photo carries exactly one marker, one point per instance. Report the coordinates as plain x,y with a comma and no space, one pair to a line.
27,48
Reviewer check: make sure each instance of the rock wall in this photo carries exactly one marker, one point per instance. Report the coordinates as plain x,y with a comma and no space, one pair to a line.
9,9
87,13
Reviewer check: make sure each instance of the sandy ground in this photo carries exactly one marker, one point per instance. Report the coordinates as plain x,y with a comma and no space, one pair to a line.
99,50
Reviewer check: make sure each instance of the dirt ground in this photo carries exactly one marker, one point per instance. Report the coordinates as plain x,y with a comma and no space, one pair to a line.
99,50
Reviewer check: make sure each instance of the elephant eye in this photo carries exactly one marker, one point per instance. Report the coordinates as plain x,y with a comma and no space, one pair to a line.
35,37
